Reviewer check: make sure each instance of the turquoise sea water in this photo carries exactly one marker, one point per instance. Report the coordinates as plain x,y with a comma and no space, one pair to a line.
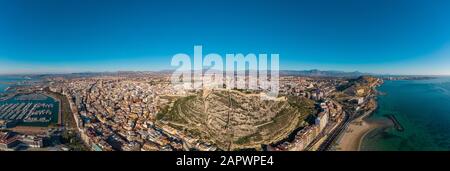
423,109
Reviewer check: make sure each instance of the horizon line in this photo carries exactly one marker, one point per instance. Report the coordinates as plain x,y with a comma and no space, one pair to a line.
165,70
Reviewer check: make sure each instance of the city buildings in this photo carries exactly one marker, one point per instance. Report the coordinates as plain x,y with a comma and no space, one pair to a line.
9,141
120,112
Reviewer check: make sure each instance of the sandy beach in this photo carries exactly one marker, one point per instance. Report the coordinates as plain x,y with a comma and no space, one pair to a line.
354,134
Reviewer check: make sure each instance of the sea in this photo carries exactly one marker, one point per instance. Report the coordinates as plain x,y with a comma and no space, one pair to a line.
422,108
6,81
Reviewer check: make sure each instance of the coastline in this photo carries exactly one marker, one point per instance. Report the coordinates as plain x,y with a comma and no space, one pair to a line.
353,136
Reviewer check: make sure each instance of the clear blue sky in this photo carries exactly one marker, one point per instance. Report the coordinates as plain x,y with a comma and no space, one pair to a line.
380,36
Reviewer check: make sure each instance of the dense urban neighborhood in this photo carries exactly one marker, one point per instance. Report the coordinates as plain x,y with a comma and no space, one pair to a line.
142,111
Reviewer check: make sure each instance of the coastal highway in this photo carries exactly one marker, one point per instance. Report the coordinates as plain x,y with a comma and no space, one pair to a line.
349,117
335,133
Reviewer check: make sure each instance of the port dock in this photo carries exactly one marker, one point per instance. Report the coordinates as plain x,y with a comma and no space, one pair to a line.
397,124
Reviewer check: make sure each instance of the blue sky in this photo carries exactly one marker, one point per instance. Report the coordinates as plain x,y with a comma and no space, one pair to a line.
379,36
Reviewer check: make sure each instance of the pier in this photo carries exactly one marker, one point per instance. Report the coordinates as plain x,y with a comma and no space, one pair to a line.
397,124
27,112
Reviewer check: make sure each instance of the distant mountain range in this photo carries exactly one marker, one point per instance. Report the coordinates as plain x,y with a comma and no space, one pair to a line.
319,73
306,73
311,73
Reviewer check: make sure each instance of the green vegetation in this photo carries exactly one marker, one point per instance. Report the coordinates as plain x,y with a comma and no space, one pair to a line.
195,132
162,113
68,119
173,114
176,126
244,120
244,140
73,141
170,98
304,106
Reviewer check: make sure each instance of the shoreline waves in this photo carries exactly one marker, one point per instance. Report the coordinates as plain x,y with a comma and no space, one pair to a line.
353,136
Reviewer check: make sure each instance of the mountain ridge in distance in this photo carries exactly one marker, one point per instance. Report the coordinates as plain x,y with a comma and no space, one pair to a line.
306,73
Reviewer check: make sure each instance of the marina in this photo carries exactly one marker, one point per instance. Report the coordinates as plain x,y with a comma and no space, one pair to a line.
34,109
27,112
